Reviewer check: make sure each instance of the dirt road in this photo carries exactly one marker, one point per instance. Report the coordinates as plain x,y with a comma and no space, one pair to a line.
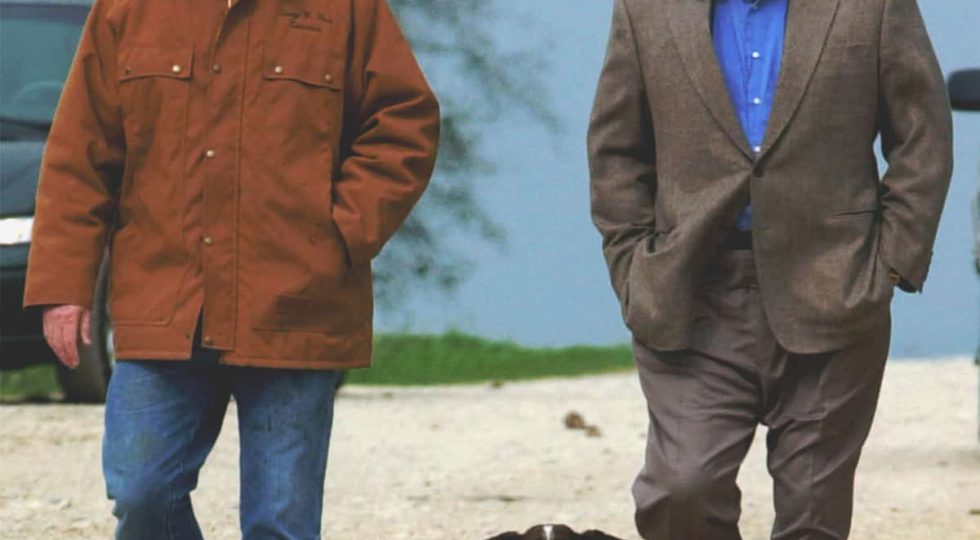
461,463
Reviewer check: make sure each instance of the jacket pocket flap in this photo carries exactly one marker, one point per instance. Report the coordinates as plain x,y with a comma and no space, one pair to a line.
859,212
156,62
314,69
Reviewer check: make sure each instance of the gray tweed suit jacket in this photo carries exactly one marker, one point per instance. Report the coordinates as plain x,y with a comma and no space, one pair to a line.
671,168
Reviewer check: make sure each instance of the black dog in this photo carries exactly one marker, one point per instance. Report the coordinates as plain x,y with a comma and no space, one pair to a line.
553,532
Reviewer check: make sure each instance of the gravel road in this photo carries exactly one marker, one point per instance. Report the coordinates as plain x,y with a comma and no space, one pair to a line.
465,462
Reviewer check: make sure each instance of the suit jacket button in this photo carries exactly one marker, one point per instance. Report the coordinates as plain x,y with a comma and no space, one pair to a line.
757,172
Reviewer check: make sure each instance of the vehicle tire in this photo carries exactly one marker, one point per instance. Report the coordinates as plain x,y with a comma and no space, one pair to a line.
89,382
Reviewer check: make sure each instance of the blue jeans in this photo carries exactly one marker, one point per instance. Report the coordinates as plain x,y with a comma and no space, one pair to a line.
162,419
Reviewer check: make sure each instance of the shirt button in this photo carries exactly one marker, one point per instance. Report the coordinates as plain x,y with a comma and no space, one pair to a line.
210,153
208,240
755,54
208,340
278,70
757,101
216,68
176,68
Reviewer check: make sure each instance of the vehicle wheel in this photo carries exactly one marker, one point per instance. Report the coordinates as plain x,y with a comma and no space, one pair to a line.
89,381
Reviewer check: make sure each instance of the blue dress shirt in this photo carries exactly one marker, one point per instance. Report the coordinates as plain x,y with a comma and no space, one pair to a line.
748,40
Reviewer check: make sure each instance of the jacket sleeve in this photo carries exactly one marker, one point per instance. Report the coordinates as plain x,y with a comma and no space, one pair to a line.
916,140
622,163
82,164
391,131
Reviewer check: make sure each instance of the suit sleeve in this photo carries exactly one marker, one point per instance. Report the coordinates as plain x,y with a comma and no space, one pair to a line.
916,140
391,131
82,164
622,163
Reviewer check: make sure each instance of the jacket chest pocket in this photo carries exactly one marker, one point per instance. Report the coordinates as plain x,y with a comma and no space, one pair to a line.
154,88
847,69
844,86
302,92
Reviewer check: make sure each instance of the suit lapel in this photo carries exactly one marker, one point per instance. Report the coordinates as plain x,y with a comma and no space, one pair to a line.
690,25
807,25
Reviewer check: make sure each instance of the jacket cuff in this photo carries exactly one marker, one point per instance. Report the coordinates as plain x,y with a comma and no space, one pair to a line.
913,270
352,232
58,292
906,285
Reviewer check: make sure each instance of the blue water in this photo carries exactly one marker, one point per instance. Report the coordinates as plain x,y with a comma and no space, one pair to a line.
548,285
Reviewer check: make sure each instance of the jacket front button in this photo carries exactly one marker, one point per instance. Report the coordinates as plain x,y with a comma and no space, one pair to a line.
278,70
176,68
328,77
216,68
208,340
208,240
210,153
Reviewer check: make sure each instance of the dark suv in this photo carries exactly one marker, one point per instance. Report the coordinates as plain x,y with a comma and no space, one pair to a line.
37,41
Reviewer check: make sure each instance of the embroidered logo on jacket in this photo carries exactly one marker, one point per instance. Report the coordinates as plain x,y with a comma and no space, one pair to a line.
305,19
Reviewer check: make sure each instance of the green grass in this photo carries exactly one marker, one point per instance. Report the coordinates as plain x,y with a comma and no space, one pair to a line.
453,358
38,382
408,359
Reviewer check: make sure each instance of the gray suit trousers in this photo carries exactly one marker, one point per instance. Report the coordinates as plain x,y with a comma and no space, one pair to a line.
706,402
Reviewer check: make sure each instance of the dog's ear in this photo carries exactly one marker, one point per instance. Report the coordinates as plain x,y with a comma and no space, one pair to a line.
507,536
597,535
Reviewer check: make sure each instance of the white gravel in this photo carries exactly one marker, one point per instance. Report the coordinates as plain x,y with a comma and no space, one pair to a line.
466,462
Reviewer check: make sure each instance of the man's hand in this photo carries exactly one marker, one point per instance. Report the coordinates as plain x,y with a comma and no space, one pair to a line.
61,328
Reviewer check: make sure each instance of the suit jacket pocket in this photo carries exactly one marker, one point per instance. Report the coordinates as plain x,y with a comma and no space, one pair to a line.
883,269
637,288
630,304
857,213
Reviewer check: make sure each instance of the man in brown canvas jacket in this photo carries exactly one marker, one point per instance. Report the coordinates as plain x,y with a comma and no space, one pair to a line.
752,244
244,160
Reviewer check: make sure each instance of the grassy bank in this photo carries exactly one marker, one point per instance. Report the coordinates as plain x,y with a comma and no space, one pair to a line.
32,383
406,359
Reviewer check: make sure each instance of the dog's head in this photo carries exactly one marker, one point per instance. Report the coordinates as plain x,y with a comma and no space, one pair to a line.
553,532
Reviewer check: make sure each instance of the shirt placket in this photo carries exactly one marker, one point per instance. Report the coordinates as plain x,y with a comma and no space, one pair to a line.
756,94
220,153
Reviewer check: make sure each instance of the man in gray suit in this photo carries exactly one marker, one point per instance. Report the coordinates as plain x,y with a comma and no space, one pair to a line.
752,244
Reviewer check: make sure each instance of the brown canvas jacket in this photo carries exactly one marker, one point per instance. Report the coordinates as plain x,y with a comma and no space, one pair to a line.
671,169
249,160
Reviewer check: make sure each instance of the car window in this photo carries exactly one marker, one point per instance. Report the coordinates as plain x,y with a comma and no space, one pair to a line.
37,43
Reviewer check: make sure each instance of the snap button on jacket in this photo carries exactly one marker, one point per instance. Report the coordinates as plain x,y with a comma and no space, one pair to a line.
246,160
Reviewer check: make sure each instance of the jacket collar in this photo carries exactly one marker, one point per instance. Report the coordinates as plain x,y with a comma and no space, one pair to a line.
807,25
